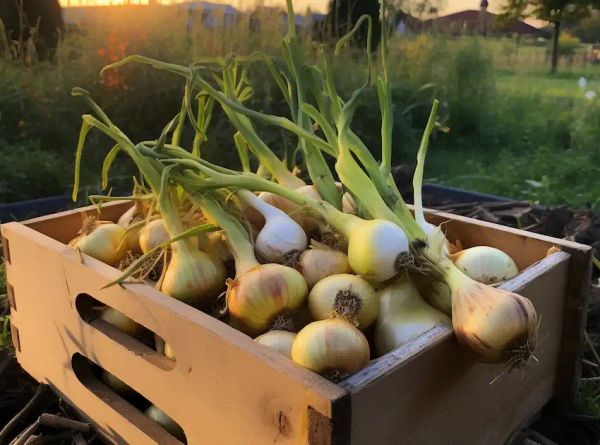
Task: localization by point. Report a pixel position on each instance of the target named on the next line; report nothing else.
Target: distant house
(472, 21)
(210, 12)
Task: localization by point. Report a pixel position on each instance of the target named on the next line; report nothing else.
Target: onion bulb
(317, 263)
(104, 241)
(435, 292)
(295, 211)
(259, 295)
(215, 244)
(166, 422)
(122, 322)
(153, 234)
(280, 341)
(485, 264)
(281, 237)
(193, 276)
(403, 316)
(498, 326)
(333, 348)
(345, 296)
(377, 249)
(168, 352)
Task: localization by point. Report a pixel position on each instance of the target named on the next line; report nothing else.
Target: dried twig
(21, 415)
(79, 440)
(22, 438)
(54, 421)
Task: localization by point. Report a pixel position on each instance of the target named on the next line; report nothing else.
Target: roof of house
(472, 17)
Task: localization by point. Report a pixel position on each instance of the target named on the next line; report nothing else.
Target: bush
(28, 172)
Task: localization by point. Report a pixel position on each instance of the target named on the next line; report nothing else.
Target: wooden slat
(573, 326)
(431, 392)
(224, 388)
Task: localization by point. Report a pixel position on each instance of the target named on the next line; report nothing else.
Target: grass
(5, 337)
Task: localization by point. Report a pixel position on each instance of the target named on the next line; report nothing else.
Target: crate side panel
(525, 248)
(224, 388)
(440, 396)
(64, 226)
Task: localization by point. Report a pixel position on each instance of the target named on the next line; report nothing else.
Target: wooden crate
(225, 389)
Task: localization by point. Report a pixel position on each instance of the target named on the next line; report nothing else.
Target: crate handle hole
(124, 330)
(126, 401)
(6, 249)
(10, 293)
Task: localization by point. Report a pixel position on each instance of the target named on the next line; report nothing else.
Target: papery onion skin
(331, 347)
(166, 422)
(359, 295)
(132, 234)
(105, 242)
(278, 340)
(316, 264)
(403, 316)
(485, 264)
(377, 249)
(496, 325)
(262, 293)
(153, 234)
(194, 277)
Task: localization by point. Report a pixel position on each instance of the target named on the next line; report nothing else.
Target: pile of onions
(238, 242)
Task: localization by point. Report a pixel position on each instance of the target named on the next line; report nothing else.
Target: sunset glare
(447, 6)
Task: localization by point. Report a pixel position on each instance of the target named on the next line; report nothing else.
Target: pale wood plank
(432, 392)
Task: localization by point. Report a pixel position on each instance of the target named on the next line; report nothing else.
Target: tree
(343, 14)
(553, 11)
(20, 17)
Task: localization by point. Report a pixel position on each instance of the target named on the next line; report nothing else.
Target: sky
(301, 5)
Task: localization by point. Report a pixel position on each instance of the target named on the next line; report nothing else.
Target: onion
(168, 352)
(166, 422)
(262, 296)
(346, 296)
(295, 211)
(333, 348)
(498, 326)
(377, 249)
(403, 316)
(152, 235)
(215, 244)
(485, 264)
(122, 322)
(317, 263)
(193, 276)
(435, 292)
(259, 295)
(281, 237)
(280, 341)
(104, 241)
